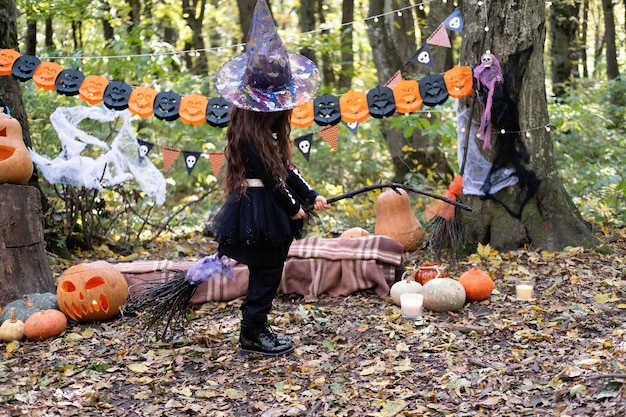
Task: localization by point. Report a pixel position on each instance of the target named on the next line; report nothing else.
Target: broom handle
(395, 186)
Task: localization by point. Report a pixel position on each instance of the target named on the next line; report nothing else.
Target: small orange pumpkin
(430, 270)
(477, 283)
(407, 96)
(303, 116)
(141, 101)
(7, 59)
(92, 291)
(92, 89)
(16, 165)
(45, 75)
(192, 109)
(45, 324)
(354, 232)
(394, 218)
(354, 108)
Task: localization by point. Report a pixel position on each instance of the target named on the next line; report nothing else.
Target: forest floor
(561, 354)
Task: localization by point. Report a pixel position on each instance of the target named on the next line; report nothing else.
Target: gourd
(405, 286)
(16, 165)
(394, 218)
(478, 284)
(430, 270)
(29, 304)
(354, 232)
(45, 324)
(443, 294)
(12, 329)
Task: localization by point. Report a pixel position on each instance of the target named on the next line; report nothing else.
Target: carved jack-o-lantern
(407, 96)
(459, 81)
(141, 101)
(433, 90)
(193, 109)
(381, 102)
(7, 59)
(353, 105)
(166, 105)
(218, 112)
(68, 82)
(303, 116)
(24, 67)
(46, 74)
(92, 89)
(92, 291)
(16, 166)
(327, 111)
(116, 95)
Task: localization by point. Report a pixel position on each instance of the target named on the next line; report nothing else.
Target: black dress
(255, 228)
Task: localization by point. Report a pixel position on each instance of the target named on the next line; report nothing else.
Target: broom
(165, 303)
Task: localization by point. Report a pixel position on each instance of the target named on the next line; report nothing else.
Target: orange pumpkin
(407, 96)
(303, 116)
(354, 108)
(45, 324)
(92, 89)
(92, 291)
(45, 75)
(477, 283)
(354, 232)
(16, 166)
(430, 270)
(192, 109)
(394, 218)
(141, 101)
(7, 59)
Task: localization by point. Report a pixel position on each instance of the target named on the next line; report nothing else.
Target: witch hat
(266, 77)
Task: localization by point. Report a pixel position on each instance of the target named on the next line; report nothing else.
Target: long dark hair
(250, 127)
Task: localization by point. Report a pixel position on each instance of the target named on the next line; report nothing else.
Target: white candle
(411, 305)
(524, 290)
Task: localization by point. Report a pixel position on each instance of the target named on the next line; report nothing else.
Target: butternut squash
(394, 218)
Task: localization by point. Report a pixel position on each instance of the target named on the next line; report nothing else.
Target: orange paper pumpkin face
(303, 116)
(46, 74)
(193, 109)
(7, 58)
(16, 166)
(92, 291)
(407, 96)
(141, 101)
(354, 107)
(92, 89)
(459, 81)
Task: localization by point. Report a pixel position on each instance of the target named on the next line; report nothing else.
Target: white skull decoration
(143, 150)
(424, 57)
(304, 146)
(487, 60)
(191, 161)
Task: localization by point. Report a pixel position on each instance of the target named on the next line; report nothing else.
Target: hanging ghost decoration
(327, 112)
(488, 75)
(381, 102)
(68, 82)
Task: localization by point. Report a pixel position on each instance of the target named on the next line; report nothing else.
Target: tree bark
(612, 69)
(563, 47)
(306, 18)
(549, 220)
(347, 43)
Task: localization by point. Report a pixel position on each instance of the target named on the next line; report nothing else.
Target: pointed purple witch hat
(266, 77)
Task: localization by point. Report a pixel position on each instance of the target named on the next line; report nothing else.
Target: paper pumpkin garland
(7, 58)
(433, 90)
(327, 111)
(166, 105)
(92, 89)
(192, 109)
(218, 112)
(303, 116)
(46, 74)
(353, 105)
(459, 81)
(141, 101)
(24, 67)
(381, 102)
(116, 95)
(407, 96)
(68, 82)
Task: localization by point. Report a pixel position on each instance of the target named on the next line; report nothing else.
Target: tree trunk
(193, 12)
(25, 267)
(564, 51)
(612, 70)
(347, 43)
(549, 220)
(306, 18)
(583, 38)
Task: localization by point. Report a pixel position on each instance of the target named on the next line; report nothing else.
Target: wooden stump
(24, 266)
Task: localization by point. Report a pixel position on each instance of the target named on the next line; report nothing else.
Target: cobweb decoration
(116, 165)
(477, 167)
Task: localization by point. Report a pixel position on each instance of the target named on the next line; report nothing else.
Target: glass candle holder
(524, 288)
(411, 306)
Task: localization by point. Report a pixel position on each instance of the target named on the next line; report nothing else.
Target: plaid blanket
(314, 266)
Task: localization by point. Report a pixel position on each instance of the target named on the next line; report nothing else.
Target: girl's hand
(321, 203)
(299, 215)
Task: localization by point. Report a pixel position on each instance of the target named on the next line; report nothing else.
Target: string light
(526, 132)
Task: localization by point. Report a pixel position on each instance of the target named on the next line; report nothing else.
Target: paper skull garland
(218, 112)
(68, 82)
(303, 116)
(92, 89)
(459, 81)
(46, 74)
(7, 59)
(166, 105)
(192, 109)
(327, 111)
(381, 102)
(116, 95)
(353, 105)
(407, 96)
(433, 90)
(92, 291)
(141, 101)
(24, 67)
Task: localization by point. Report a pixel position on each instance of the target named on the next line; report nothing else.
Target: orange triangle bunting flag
(330, 134)
(394, 80)
(440, 37)
(169, 156)
(217, 160)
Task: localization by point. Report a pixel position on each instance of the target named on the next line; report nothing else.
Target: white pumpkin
(443, 294)
(406, 285)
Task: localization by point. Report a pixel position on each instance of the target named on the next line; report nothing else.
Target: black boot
(263, 340)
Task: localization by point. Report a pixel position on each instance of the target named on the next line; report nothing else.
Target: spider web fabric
(117, 164)
(477, 167)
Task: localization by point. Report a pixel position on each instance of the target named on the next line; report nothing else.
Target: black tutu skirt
(254, 229)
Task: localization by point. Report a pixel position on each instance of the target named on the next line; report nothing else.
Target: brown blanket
(314, 266)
